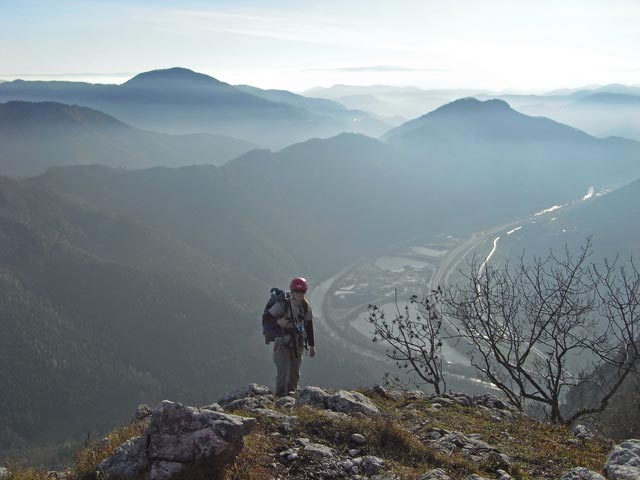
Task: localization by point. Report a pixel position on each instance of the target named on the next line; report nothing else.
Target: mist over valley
(143, 224)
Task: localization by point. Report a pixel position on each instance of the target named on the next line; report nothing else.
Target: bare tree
(529, 327)
(415, 342)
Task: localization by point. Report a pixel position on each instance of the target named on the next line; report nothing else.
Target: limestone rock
(215, 407)
(581, 473)
(273, 415)
(351, 402)
(436, 474)
(582, 432)
(358, 439)
(502, 475)
(249, 398)
(128, 461)
(316, 449)
(179, 441)
(371, 465)
(472, 448)
(249, 403)
(289, 455)
(251, 390)
(313, 396)
(335, 415)
(342, 401)
(623, 463)
(383, 392)
(143, 411)
(486, 400)
(286, 402)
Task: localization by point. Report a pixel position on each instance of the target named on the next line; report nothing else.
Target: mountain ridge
(179, 101)
(497, 122)
(38, 135)
(173, 75)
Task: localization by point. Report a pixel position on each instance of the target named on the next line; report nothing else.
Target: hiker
(293, 330)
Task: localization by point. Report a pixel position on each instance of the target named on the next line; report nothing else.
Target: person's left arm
(308, 325)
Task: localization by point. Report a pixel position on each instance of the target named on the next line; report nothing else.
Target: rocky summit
(372, 433)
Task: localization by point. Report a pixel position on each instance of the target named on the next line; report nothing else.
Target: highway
(447, 265)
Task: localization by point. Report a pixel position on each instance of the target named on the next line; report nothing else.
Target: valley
(415, 267)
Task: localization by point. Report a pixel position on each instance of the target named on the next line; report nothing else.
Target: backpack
(268, 330)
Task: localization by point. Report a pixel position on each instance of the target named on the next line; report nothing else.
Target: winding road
(447, 265)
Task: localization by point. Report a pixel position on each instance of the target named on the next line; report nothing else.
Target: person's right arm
(274, 316)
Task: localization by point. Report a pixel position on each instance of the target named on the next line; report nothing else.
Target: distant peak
(473, 105)
(172, 76)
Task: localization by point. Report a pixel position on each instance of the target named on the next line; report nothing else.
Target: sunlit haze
(522, 46)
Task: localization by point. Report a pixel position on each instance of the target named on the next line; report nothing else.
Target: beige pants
(288, 360)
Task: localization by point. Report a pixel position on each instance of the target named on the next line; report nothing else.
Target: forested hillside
(125, 285)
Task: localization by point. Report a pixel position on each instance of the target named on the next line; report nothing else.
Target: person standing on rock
(293, 320)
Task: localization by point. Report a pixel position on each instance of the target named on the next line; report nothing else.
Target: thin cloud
(379, 68)
(311, 29)
(70, 75)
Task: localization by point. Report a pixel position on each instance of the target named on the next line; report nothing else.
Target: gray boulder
(251, 397)
(313, 396)
(473, 448)
(581, 473)
(485, 400)
(214, 407)
(623, 462)
(335, 415)
(143, 411)
(128, 461)
(502, 475)
(251, 390)
(342, 401)
(436, 474)
(285, 422)
(358, 439)
(286, 402)
(371, 465)
(582, 432)
(352, 402)
(180, 441)
(249, 403)
(3, 472)
(273, 415)
(317, 449)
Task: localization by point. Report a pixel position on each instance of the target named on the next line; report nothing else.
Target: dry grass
(404, 453)
(254, 462)
(18, 472)
(537, 450)
(88, 459)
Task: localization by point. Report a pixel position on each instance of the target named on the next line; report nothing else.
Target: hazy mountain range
(491, 158)
(609, 110)
(399, 103)
(36, 136)
(122, 285)
(178, 100)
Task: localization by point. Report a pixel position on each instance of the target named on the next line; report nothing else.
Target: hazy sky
(511, 44)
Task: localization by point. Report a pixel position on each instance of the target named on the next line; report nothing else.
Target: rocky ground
(369, 434)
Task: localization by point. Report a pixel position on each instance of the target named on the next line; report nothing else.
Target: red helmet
(299, 283)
